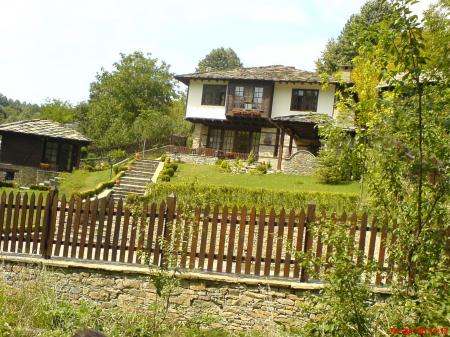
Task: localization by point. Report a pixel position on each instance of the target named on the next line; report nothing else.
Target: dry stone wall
(301, 162)
(237, 306)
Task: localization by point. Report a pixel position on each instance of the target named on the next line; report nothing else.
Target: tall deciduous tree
(342, 50)
(137, 83)
(59, 111)
(219, 59)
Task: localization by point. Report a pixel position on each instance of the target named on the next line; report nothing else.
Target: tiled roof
(277, 73)
(42, 127)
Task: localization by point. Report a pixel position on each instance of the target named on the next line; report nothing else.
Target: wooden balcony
(249, 99)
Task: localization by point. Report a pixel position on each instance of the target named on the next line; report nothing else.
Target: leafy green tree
(407, 167)
(342, 50)
(219, 59)
(59, 111)
(137, 83)
(15, 110)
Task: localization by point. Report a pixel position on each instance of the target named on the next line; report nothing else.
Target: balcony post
(280, 149)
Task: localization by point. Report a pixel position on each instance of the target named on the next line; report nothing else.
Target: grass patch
(80, 181)
(214, 175)
(8, 190)
(30, 309)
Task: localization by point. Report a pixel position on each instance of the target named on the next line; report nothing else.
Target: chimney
(345, 72)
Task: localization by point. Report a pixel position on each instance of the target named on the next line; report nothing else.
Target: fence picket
(109, 223)
(124, 238)
(212, 240)
(159, 232)
(289, 244)
(29, 222)
(203, 238)
(92, 227)
(62, 217)
(23, 217)
(310, 217)
(251, 237)
(115, 242)
(269, 249)
(131, 246)
(8, 222)
(37, 224)
(260, 240)
(362, 238)
(15, 224)
(141, 231)
(223, 231)
(101, 223)
(279, 246)
(319, 245)
(241, 236)
(381, 254)
(68, 226)
(194, 239)
(84, 228)
(150, 232)
(299, 241)
(2, 215)
(231, 239)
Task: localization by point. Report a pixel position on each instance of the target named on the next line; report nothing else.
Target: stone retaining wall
(237, 303)
(301, 162)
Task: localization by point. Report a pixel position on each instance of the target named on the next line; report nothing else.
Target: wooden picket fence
(237, 241)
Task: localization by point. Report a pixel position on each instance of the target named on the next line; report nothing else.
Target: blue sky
(54, 48)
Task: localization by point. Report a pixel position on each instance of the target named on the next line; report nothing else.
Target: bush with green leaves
(257, 197)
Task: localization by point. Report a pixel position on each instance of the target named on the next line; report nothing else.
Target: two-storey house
(271, 111)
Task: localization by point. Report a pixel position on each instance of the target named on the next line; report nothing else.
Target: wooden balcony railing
(207, 152)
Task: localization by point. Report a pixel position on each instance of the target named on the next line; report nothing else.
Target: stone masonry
(236, 303)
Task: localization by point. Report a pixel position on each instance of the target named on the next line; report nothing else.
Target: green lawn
(81, 181)
(213, 174)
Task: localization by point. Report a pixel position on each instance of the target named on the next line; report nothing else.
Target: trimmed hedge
(39, 187)
(11, 184)
(100, 187)
(250, 197)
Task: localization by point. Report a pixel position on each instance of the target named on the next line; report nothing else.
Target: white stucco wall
(282, 99)
(195, 109)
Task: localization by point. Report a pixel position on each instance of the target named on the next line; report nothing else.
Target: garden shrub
(251, 157)
(225, 165)
(262, 169)
(163, 157)
(39, 187)
(219, 162)
(11, 184)
(257, 197)
(169, 171)
(117, 155)
(165, 177)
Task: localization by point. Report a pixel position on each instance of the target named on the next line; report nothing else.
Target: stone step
(128, 189)
(139, 175)
(135, 179)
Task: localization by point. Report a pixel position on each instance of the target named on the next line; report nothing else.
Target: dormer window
(214, 94)
(304, 100)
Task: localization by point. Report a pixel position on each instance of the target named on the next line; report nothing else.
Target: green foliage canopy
(138, 83)
(219, 59)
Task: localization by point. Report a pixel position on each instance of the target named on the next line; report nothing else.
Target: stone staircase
(135, 179)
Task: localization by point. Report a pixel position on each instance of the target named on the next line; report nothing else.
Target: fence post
(310, 218)
(48, 229)
(169, 218)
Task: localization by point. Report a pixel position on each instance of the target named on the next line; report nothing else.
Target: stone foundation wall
(191, 159)
(237, 306)
(301, 162)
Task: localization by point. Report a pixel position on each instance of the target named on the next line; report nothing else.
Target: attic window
(304, 100)
(214, 94)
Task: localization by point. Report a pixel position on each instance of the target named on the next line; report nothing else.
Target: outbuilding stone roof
(276, 73)
(42, 127)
